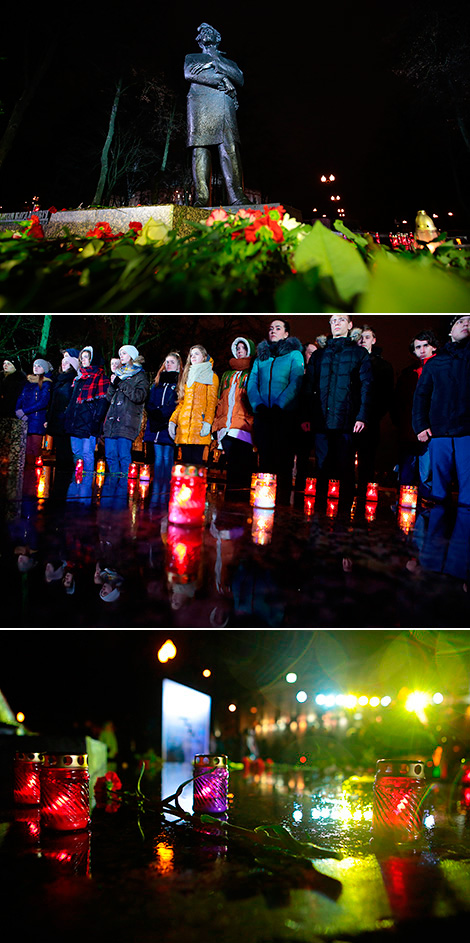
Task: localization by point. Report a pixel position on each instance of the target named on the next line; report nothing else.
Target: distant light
(314, 210)
(207, 673)
(232, 708)
(404, 220)
(320, 699)
(340, 699)
(291, 678)
(297, 815)
(20, 717)
(438, 697)
(166, 652)
(253, 710)
(303, 759)
(330, 700)
(429, 821)
(450, 214)
(351, 701)
(435, 216)
(332, 177)
(363, 700)
(323, 178)
(301, 696)
(416, 701)
(386, 701)
(374, 701)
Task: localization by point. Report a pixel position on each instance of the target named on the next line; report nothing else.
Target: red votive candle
(145, 473)
(133, 471)
(210, 783)
(372, 491)
(399, 789)
(309, 504)
(310, 486)
(79, 470)
(370, 511)
(26, 783)
(65, 782)
(187, 494)
(333, 488)
(406, 518)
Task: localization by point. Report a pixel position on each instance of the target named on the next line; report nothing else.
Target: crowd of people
(287, 408)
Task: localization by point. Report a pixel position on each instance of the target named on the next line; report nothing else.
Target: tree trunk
(168, 136)
(46, 327)
(107, 144)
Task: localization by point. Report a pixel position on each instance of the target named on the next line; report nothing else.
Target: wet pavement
(306, 564)
(149, 876)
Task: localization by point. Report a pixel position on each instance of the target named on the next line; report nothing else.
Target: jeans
(85, 449)
(450, 456)
(118, 455)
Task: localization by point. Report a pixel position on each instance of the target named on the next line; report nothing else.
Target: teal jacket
(277, 374)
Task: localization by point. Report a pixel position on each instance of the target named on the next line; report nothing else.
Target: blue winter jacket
(160, 405)
(277, 374)
(34, 401)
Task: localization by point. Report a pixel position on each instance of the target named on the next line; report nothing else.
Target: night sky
(320, 96)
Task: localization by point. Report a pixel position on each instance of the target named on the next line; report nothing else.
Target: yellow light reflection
(164, 856)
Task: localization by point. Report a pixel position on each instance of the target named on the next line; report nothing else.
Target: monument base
(79, 222)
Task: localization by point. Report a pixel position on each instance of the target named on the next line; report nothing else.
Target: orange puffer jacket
(197, 406)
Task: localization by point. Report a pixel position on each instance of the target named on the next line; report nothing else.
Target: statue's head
(207, 35)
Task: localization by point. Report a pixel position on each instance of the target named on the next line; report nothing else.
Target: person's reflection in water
(81, 490)
(445, 544)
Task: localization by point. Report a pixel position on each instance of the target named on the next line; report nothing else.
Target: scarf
(93, 384)
(200, 373)
(129, 370)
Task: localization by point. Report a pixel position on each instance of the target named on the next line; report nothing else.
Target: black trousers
(274, 436)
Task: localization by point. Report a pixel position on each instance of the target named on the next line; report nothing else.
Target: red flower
(106, 788)
(52, 209)
(35, 230)
(102, 230)
(136, 226)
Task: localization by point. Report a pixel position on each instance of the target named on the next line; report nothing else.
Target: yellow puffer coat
(197, 406)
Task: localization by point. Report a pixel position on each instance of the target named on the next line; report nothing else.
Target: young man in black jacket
(441, 413)
(338, 383)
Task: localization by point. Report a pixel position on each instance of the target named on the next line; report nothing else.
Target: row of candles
(59, 784)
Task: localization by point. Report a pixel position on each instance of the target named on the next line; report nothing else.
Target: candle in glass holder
(310, 486)
(210, 783)
(187, 494)
(26, 771)
(408, 496)
(133, 470)
(398, 792)
(101, 467)
(333, 488)
(65, 781)
(370, 511)
(145, 473)
(372, 491)
(79, 470)
(262, 526)
(265, 491)
(252, 487)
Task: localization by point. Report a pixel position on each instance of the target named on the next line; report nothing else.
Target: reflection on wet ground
(141, 876)
(100, 552)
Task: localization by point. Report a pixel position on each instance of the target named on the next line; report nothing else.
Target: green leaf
(400, 286)
(355, 237)
(342, 271)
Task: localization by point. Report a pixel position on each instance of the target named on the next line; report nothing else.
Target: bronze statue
(212, 120)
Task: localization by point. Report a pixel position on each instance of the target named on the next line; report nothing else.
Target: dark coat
(382, 387)
(124, 416)
(60, 398)
(338, 384)
(442, 398)
(11, 385)
(276, 375)
(83, 420)
(34, 400)
(160, 405)
(402, 402)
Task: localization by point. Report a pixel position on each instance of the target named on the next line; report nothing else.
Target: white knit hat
(131, 350)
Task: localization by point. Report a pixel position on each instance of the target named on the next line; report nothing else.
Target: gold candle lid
(414, 769)
(66, 760)
(29, 757)
(210, 759)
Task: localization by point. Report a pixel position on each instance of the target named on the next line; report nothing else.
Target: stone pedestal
(13, 434)
(79, 222)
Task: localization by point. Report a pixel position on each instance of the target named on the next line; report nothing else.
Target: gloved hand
(21, 414)
(172, 429)
(205, 430)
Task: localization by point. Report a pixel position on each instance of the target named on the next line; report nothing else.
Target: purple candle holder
(210, 783)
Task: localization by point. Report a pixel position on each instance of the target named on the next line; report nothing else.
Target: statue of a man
(212, 119)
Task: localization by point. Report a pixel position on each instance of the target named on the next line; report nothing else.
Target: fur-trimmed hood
(268, 349)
